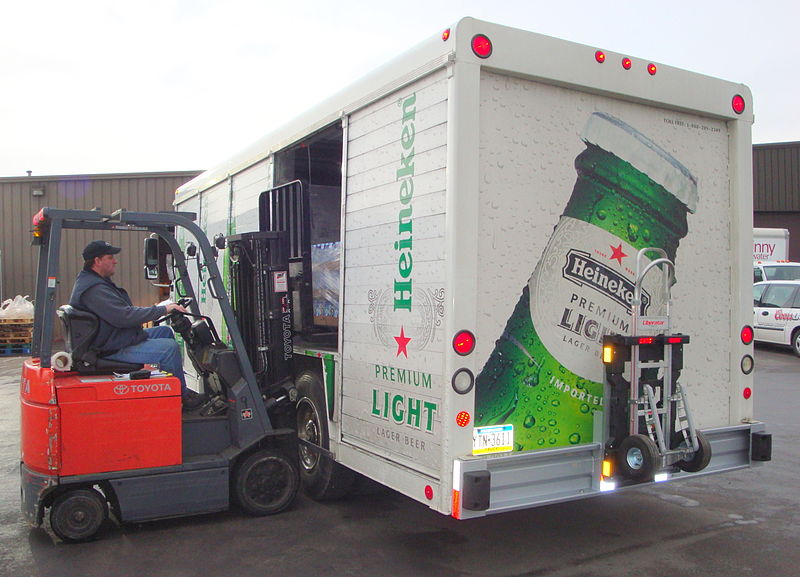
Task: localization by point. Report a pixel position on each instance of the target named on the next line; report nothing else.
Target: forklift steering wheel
(174, 314)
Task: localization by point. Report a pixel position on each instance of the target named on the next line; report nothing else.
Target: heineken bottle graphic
(545, 374)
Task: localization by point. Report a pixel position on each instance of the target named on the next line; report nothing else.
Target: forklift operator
(120, 336)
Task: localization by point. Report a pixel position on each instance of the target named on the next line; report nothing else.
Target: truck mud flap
(761, 447)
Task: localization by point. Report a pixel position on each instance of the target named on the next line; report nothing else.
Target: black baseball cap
(98, 248)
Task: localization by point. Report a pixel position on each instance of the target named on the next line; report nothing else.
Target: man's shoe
(192, 400)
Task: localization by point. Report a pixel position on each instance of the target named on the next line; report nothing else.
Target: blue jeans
(160, 349)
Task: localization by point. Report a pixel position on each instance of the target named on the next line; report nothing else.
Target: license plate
(494, 439)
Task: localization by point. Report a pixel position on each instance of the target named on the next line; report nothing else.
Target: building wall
(776, 190)
(20, 201)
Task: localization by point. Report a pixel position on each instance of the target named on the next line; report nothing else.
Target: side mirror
(151, 258)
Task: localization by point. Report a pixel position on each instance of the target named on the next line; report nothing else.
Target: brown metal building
(776, 190)
(22, 197)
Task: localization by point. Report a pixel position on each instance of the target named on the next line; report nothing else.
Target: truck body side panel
(394, 283)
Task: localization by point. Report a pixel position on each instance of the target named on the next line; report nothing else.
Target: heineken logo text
(405, 175)
(583, 270)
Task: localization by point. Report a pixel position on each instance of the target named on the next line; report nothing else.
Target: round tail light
(464, 343)
(481, 46)
(738, 104)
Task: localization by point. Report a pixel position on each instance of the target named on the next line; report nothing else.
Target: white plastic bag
(18, 308)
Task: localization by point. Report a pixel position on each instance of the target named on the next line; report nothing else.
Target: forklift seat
(80, 328)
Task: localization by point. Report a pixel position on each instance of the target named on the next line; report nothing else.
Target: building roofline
(791, 144)
(102, 176)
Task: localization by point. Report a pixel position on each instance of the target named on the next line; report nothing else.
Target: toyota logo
(121, 389)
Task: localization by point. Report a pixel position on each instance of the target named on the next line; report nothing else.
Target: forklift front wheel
(266, 483)
(77, 514)
(638, 457)
(701, 457)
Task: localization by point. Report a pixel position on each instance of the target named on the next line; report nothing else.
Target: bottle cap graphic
(615, 136)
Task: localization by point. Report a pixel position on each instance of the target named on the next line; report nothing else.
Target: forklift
(99, 436)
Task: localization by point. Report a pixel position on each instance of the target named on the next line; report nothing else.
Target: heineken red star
(545, 375)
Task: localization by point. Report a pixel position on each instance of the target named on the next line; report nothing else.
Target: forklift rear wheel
(701, 457)
(266, 483)
(323, 478)
(77, 514)
(638, 457)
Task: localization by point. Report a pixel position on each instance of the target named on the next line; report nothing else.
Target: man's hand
(175, 307)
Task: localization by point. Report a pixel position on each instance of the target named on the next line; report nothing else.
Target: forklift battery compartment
(79, 424)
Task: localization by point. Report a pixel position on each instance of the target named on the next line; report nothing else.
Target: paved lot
(746, 523)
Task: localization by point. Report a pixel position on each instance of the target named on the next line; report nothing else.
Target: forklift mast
(262, 302)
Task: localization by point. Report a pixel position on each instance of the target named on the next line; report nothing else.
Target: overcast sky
(97, 86)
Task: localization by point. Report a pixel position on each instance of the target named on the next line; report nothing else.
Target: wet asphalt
(737, 524)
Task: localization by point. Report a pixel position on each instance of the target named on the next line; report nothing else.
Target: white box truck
(770, 244)
(464, 230)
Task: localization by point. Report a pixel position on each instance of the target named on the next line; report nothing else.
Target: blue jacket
(120, 321)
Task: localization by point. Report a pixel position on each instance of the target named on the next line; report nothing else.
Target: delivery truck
(770, 244)
(485, 269)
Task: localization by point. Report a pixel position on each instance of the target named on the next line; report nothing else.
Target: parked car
(776, 270)
(776, 313)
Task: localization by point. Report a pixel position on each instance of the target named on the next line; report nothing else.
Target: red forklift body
(77, 425)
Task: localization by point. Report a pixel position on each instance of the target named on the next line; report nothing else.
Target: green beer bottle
(545, 374)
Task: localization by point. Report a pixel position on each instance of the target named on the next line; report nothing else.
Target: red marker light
(600, 56)
(651, 68)
(738, 104)
(464, 343)
(747, 335)
(428, 492)
(462, 419)
(646, 340)
(446, 35)
(747, 393)
(626, 63)
(481, 46)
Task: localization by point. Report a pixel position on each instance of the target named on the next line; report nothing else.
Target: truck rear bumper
(483, 486)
